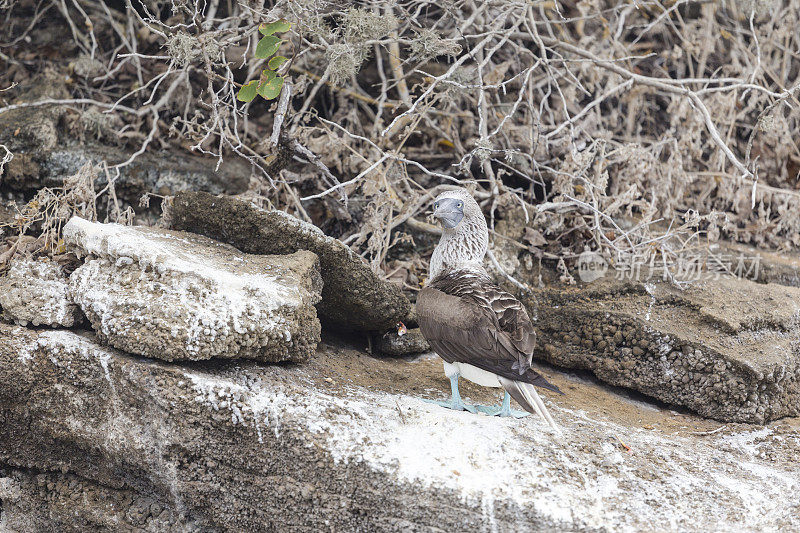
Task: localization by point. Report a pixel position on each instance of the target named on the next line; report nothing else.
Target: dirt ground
(338, 365)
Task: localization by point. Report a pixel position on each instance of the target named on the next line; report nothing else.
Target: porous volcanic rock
(392, 343)
(179, 296)
(35, 291)
(353, 296)
(728, 349)
(95, 440)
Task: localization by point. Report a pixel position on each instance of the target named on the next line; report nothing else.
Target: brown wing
(513, 321)
(467, 319)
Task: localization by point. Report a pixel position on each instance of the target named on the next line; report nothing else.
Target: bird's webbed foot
(455, 402)
(504, 410)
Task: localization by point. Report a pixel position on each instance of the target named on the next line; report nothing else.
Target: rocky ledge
(354, 298)
(176, 296)
(130, 426)
(728, 349)
(97, 440)
(35, 291)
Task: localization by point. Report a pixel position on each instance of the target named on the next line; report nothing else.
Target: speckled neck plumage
(463, 247)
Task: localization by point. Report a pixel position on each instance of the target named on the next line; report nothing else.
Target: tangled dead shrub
(621, 126)
(40, 222)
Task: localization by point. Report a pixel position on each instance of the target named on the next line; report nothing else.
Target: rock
(177, 296)
(391, 343)
(35, 291)
(45, 154)
(95, 440)
(772, 267)
(353, 296)
(7, 214)
(33, 127)
(728, 349)
(52, 501)
(162, 173)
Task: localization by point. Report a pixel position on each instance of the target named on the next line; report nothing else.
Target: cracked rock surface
(96, 440)
(35, 291)
(179, 296)
(728, 349)
(354, 298)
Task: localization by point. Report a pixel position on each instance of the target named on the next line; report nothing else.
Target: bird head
(465, 237)
(451, 207)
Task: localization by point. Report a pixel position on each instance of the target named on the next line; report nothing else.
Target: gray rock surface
(45, 154)
(162, 174)
(394, 344)
(353, 297)
(45, 502)
(773, 267)
(32, 127)
(6, 218)
(179, 296)
(35, 291)
(95, 440)
(728, 349)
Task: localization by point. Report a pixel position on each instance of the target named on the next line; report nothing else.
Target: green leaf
(272, 88)
(248, 91)
(267, 46)
(275, 27)
(276, 62)
(266, 76)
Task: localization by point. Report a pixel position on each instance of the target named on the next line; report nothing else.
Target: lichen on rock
(97, 440)
(35, 291)
(728, 349)
(178, 296)
(354, 298)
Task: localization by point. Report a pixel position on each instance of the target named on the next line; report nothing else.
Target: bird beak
(448, 213)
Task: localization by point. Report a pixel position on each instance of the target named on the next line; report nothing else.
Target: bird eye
(436, 205)
(460, 204)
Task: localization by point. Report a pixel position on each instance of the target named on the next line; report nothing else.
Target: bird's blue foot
(455, 402)
(503, 410)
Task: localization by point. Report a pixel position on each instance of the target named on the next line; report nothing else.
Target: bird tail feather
(525, 394)
(540, 381)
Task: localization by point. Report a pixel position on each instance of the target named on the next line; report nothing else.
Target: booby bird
(481, 332)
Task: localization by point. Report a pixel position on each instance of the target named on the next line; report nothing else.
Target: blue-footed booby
(481, 332)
